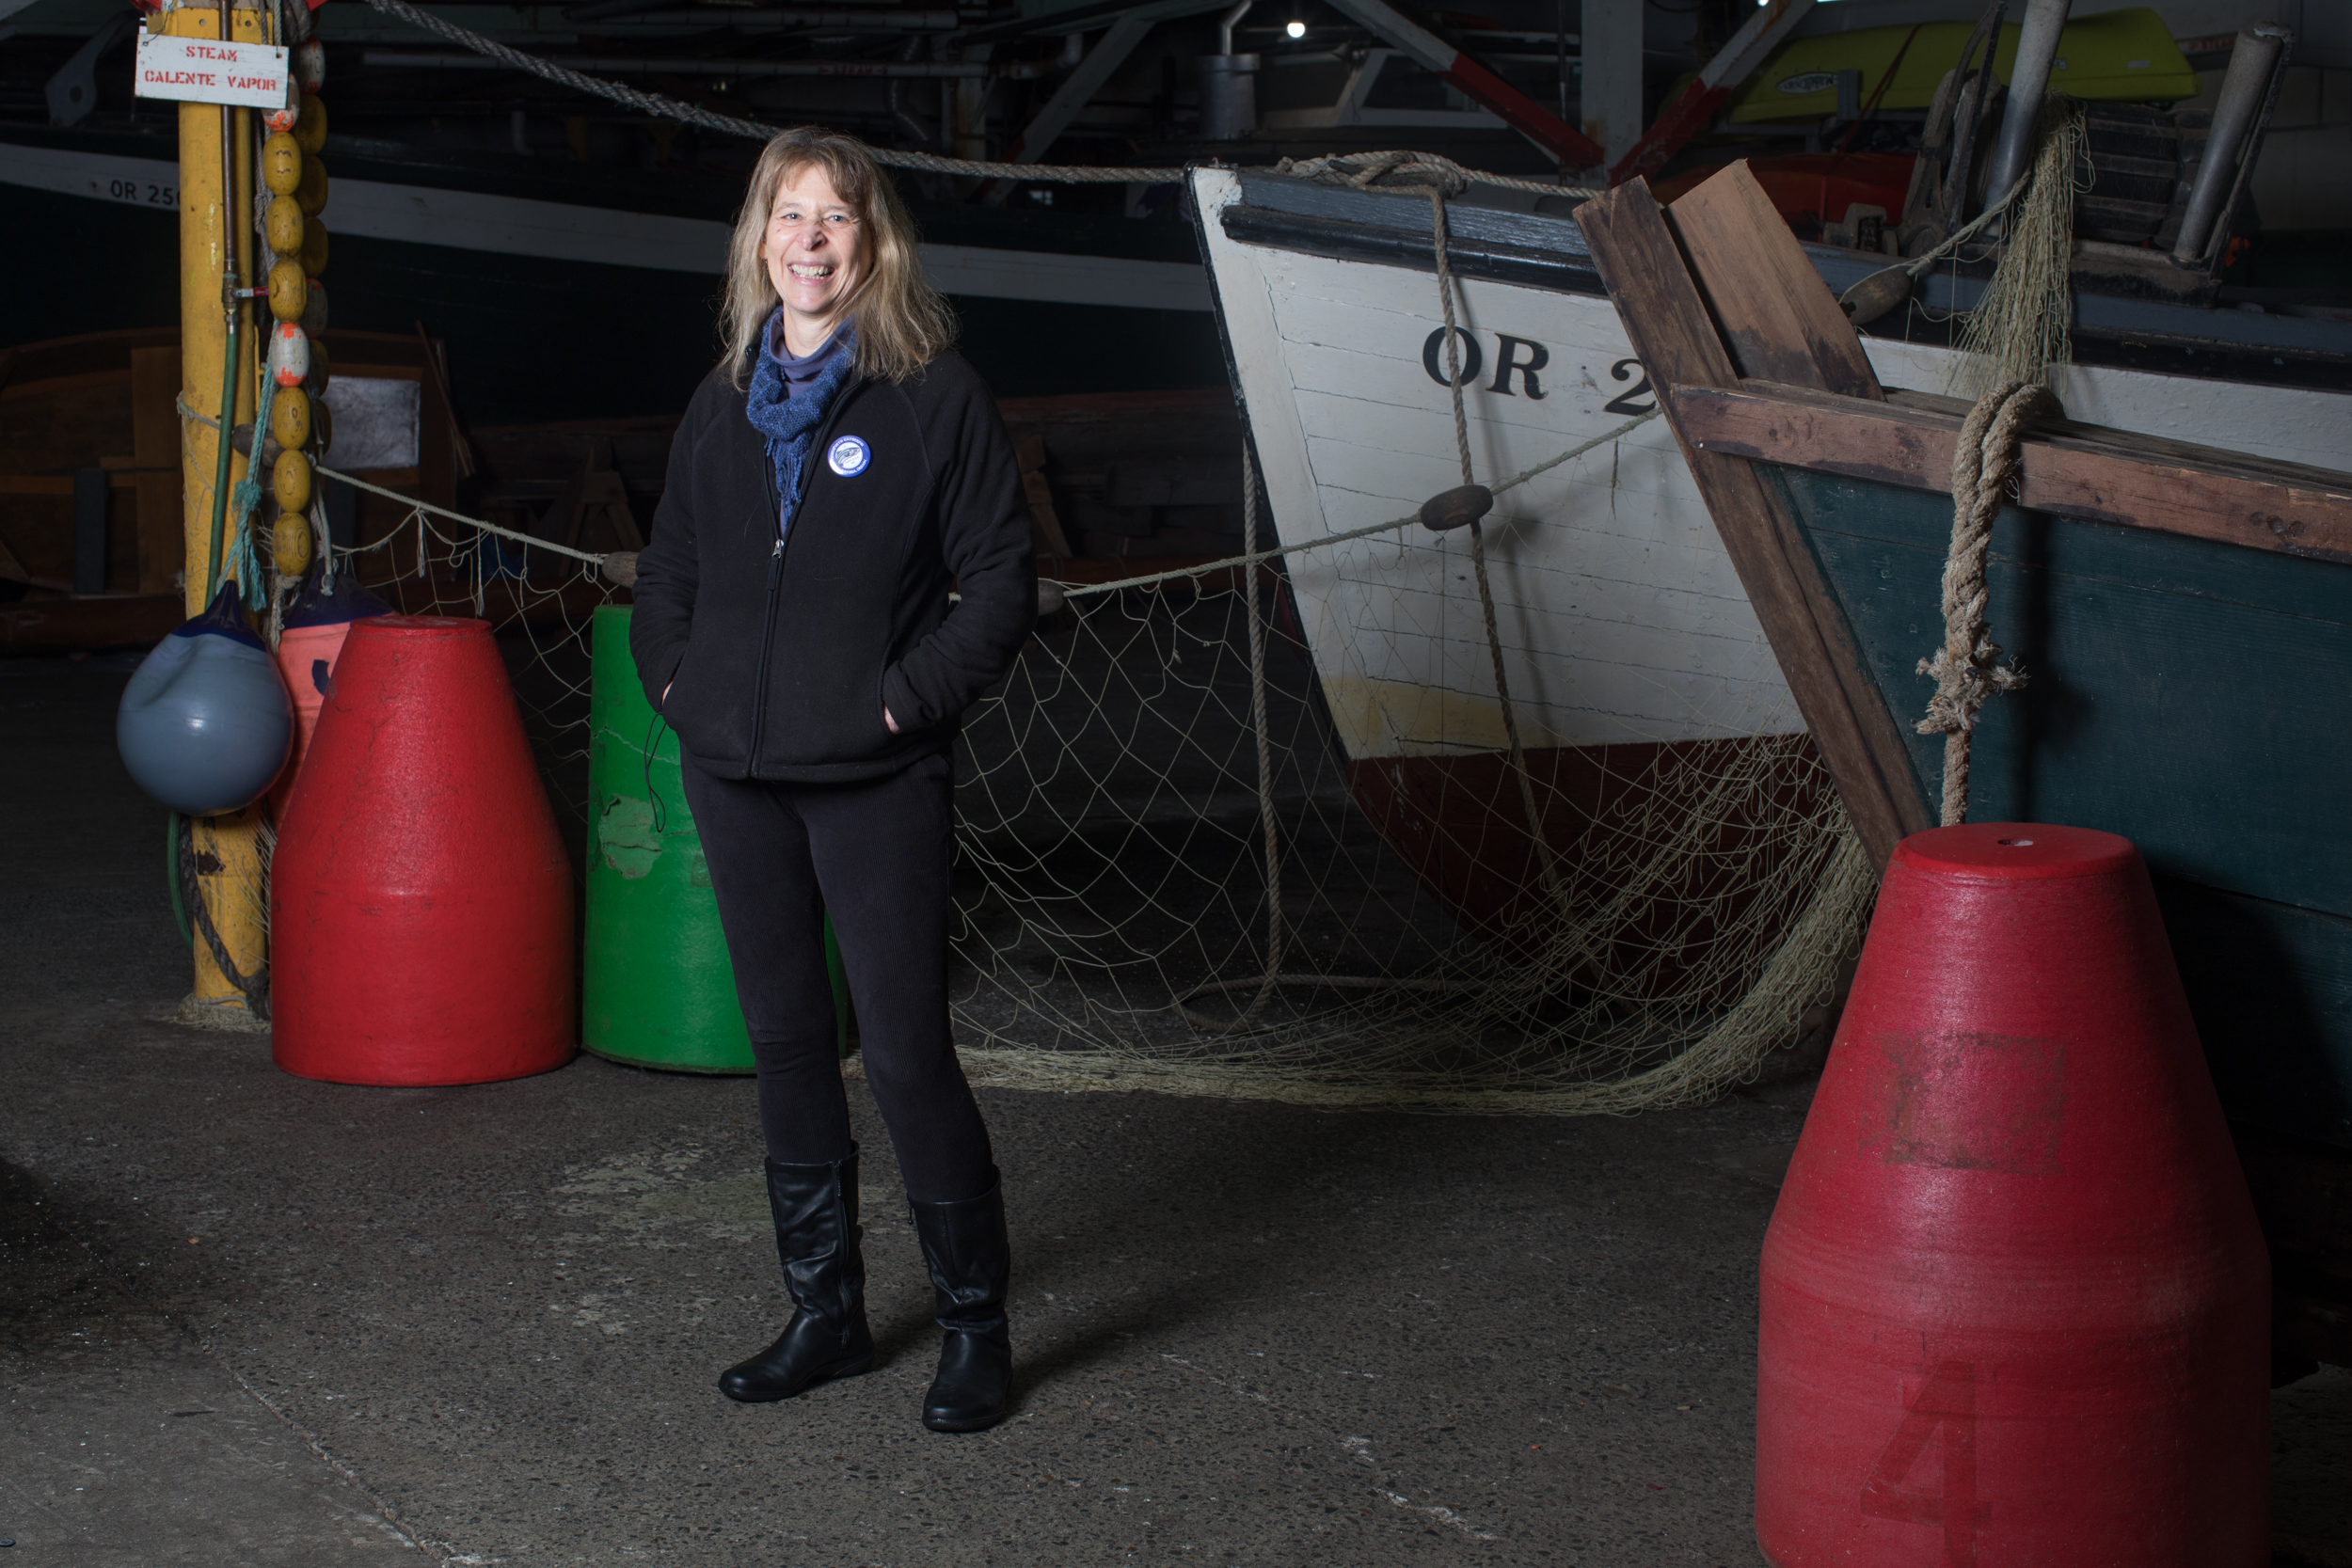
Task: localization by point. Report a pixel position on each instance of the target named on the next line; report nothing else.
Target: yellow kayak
(2126, 54)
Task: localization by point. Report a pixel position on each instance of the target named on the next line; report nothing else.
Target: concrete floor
(250, 1320)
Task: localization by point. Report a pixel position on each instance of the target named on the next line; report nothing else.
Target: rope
(1273, 980)
(1251, 558)
(1069, 590)
(1370, 167)
(1266, 778)
(927, 163)
(1967, 669)
(1961, 237)
(254, 988)
(1412, 171)
(1547, 863)
(416, 505)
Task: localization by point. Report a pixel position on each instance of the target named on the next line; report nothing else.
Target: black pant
(874, 856)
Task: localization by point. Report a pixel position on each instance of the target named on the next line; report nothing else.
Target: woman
(834, 476)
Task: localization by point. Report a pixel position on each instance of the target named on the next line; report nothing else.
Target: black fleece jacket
(778, 656)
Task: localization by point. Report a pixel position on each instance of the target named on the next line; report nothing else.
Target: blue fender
(205, 723)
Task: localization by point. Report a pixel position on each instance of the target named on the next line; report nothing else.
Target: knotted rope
(1967, 669)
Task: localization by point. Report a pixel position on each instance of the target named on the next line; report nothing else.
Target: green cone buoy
(658, 990)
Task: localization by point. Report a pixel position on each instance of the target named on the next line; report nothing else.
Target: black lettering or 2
(1519, 357)
(1432, 357)
(1506, 360)
(1630, 401)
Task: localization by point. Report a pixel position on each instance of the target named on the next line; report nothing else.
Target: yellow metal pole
(216, 232)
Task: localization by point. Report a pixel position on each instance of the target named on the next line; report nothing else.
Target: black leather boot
(817, 1237)
(965, 1247)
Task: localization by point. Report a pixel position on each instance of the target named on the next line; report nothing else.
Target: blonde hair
(902, 321)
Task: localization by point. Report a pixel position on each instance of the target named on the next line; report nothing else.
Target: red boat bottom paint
(2014, 1307)
(421, 901)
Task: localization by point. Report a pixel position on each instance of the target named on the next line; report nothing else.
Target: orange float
(313, 640)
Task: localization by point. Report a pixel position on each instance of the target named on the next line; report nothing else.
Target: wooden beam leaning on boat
(1755, 362)
(1781, 324)
(2072, 470)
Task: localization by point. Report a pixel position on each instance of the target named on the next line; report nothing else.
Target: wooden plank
(1667, 323)
(59, 626)
(2146, 446)
(13, 570)
(163, 540)
(89, 531)
(1769, 304)
(155, 414)
(437, 443)
(2070, 471)
(1030, 453)
(23, 386)
(436, 366)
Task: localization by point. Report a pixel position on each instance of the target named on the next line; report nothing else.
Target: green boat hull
(2187, 694)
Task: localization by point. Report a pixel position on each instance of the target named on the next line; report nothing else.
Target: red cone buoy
(421, 901)
(2015, 1309)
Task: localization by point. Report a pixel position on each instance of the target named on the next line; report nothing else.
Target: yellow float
(289, 417)
(312, 189)
(309, 131)
(290, 482)
(281, 164)
(282, 226)
(289, 543)
(289, 291)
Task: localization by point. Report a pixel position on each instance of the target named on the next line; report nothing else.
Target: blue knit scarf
(788, 421)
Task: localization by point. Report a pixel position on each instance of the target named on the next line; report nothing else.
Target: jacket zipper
(775, 567)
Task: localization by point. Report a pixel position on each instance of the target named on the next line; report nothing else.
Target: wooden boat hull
(1626, 630)
(2184, 693)
(2184, 616)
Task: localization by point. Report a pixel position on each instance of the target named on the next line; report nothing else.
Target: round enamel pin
(849, 456)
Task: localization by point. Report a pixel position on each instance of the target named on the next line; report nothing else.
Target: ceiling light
(1296, 28)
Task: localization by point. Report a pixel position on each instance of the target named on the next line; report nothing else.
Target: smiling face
(812, 253)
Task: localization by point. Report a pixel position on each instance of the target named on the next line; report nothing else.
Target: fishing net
(1125, 924)
(1170, 876)
(2024, 323)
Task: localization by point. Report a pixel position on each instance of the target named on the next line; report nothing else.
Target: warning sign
(206, 71)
